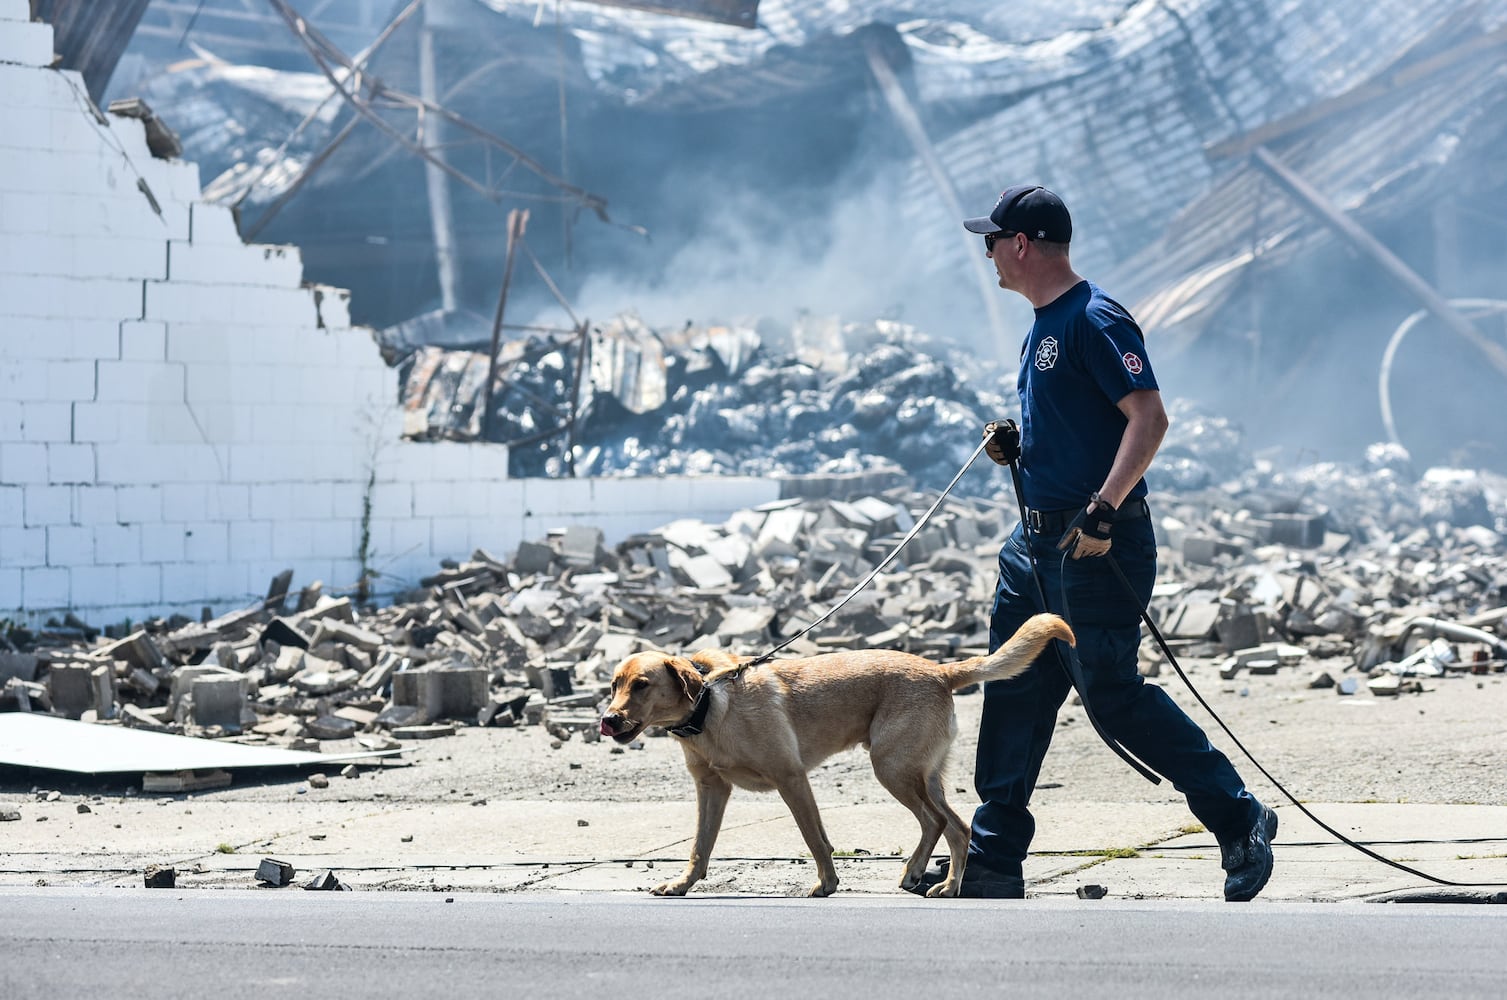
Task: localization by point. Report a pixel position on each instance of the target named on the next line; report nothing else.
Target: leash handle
(879, 568)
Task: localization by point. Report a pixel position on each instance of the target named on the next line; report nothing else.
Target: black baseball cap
(1029, 209)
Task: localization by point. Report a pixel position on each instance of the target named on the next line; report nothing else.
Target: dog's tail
(1015, 656)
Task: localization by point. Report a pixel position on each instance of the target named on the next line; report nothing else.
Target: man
(1091, 422)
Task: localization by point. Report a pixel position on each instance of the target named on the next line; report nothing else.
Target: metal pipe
(1459, 633)
(441, 222)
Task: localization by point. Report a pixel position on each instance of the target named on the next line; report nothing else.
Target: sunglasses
(990, 238)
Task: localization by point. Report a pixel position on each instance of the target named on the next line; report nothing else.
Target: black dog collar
(694, 723)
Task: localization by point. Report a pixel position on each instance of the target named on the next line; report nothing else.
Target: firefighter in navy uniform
(1091, 422)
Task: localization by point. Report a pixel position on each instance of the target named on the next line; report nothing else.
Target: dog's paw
(677, 888)
(821, 889)
(948, 889)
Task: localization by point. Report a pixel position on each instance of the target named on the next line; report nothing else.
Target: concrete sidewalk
(1136, 850)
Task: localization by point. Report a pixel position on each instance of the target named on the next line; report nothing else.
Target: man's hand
(1004, 441)
(1088, 533)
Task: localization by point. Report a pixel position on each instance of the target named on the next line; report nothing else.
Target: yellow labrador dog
(766, 727)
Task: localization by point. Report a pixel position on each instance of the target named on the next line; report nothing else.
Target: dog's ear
(685, 675)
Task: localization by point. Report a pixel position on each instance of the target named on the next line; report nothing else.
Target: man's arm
(1145, 427)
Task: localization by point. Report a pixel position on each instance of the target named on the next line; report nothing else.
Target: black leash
(877, 569)
(695, 724)
(1167, 652)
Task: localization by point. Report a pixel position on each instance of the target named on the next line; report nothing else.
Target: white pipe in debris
(1472, 307)
(1459, 633)
(440, 219)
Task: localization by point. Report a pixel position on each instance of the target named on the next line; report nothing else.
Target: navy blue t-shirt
(1083, 355)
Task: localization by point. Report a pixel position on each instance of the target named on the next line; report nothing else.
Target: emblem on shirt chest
(1046, 354)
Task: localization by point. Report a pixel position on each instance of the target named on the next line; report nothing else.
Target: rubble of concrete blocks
(1339, 562)
(532, 639)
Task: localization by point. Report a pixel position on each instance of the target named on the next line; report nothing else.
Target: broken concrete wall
(182, 417)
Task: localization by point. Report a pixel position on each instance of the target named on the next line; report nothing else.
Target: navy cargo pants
(1020, 714)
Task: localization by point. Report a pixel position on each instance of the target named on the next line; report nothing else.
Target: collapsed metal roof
(1393, 149)
(1120, 105)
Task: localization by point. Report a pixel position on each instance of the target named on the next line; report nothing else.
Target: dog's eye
(640, 684)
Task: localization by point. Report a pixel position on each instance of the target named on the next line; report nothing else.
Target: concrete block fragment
(330, 727)
(427, 732)
(581, 546)
(137, 649)
(19, 665)
(533, 557)
(781, 533)
(160, 877)
(140, 718)
(173, 782)
(326, 882)
(396, 715)
(71, 687)
(102, 680)
(274, 873)
(1243, 629)
(740, 624)
(1306, 531)
(217, 700)
(704, 572)
(360, 716)
(330, 629)
(442, 691)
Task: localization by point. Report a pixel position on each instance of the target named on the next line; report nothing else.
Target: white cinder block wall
(181, 417)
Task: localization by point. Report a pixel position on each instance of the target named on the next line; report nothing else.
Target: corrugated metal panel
(1122, 139)
(1372, 165)
(739, 13)
(90, 36)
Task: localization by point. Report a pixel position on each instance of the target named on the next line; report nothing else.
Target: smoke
(750, 258)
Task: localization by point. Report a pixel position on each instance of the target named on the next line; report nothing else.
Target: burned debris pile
(761, 399)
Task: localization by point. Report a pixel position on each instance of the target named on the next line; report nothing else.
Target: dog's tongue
(606, 730)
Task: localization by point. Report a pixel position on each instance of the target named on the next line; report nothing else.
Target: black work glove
(1004, 441)
(1088, 533)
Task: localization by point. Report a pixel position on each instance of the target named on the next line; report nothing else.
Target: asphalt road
(168, 943)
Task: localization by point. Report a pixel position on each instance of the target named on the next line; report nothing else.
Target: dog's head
(650, 689)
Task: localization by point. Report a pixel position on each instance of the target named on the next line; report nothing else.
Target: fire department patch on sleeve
(1132, 362)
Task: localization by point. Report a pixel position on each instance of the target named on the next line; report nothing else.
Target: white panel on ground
(54, 744)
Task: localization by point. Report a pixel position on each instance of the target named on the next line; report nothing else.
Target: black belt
(1054, 522)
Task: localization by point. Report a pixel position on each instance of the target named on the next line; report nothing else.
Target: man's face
(1004, 249)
